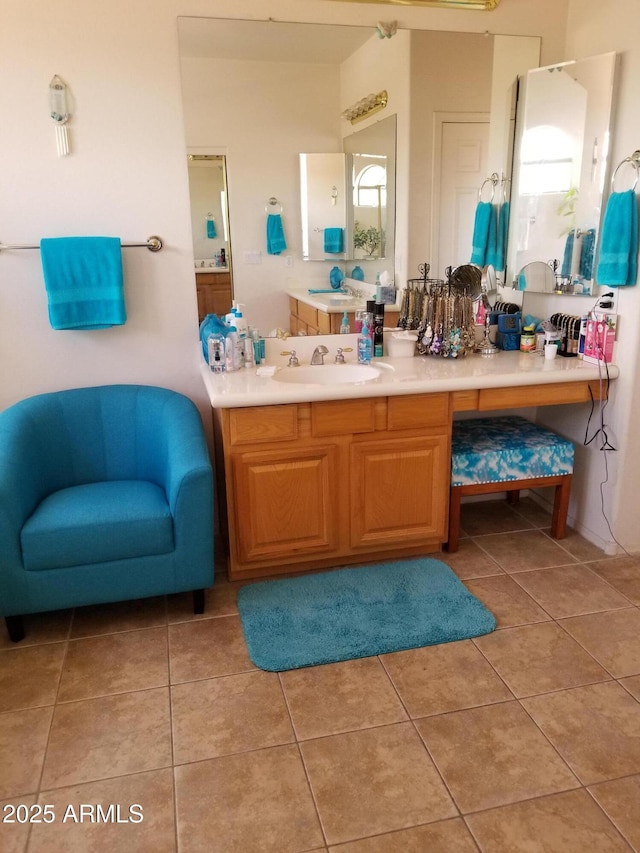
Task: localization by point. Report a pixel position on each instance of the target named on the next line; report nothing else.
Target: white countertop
(419, 375)
(335, 302)
(211, 269)
(325, 301)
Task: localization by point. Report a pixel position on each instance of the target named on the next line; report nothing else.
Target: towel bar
(153, 243)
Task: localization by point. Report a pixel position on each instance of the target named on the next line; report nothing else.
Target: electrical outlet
(288, 260)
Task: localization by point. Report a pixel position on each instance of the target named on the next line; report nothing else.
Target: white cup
(550, 351)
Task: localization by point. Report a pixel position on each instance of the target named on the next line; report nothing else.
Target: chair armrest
(23, 478)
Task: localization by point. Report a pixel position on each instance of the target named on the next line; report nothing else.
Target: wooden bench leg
(513, 496)
(454, 520)
(561, 508)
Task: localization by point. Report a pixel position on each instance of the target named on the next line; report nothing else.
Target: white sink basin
(328, 374)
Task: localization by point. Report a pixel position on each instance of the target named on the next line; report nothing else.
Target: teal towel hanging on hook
(211, 227)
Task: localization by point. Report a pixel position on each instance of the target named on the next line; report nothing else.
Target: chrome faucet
(319, 354)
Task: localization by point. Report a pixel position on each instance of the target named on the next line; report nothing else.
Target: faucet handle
(293, 358)
(340, 354)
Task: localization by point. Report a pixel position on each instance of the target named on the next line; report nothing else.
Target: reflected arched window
(370, 187)
(546, 160)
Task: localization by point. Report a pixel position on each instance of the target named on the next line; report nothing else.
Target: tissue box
(389, 295)
(600, 337)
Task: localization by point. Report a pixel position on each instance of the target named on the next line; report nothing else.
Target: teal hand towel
(484, 235)
(211, 228)
(276, 242)
(618, 261)
(84, 282)
(333, 241)
(565, 271)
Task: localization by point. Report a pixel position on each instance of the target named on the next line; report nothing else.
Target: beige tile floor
(527, 739)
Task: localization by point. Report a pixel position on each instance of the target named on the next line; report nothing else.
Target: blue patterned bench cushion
(494, 450)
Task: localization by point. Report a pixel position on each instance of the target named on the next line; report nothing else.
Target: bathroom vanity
(321, 314)
(317, 475)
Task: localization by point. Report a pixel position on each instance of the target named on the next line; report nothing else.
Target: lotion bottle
(345, 329)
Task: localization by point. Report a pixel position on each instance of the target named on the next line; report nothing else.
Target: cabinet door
(285, 503)
(399, 490)
(214, 294)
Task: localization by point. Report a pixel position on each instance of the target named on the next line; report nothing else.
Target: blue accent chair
(106, 494)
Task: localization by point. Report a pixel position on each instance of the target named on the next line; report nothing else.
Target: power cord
(605, 444)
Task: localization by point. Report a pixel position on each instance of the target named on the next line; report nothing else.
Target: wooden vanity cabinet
(214, 293)
(306, 320)
(311, 485)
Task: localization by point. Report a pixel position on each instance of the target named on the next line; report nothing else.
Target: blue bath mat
(358, 612)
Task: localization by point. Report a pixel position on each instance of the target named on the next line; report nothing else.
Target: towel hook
(272, 204)
(493, 180)
(635, 162)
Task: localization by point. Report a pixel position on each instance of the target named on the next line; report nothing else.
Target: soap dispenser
(345, 329)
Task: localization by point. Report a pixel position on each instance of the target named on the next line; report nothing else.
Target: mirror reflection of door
(463, 168)
(210, 232)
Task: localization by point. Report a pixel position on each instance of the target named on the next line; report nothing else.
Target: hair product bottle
(364, 345)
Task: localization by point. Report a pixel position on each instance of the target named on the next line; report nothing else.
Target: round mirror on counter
(537, 277)
(466, 280)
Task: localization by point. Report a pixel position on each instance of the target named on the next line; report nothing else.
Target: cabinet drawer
(263, 423)
(464, 401)
(554, 394)
(418, 410)
(342, 417)
(308, 314)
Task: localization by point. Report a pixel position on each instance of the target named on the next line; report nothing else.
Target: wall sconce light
(59, 112)
(366, 107)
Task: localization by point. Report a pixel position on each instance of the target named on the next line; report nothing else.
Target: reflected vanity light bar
(366, 107)
(485, 5)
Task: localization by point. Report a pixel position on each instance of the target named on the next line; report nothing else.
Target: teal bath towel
(276, 242)
(586, 256)
(333, 241)
(84, 282)
(484, 235)
(618, 261)
(498, 259)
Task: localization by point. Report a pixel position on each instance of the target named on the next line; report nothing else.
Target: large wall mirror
(560, 169)
(263, 92)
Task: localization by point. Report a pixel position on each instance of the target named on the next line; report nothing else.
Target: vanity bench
(314, 476)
